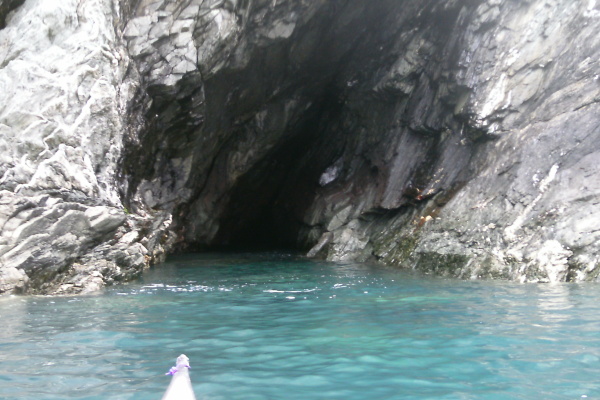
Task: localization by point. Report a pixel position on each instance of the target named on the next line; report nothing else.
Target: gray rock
(459, 138)
(63, 96)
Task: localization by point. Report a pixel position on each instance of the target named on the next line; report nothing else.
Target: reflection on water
(275, 326)
(11, 318)
(555, 304)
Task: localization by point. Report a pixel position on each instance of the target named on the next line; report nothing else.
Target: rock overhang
(275, 110)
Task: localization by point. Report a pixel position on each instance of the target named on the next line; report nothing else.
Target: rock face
(63, 96)
(457, 137)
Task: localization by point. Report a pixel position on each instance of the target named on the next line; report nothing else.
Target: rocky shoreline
(461, 138)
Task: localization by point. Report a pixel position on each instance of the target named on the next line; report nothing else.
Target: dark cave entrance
(324, 61)
(336, 62)
(267, 206)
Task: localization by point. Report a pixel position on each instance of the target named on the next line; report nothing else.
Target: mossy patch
(395, 249)
(441, 264)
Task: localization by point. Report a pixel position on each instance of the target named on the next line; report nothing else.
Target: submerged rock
(457, 137)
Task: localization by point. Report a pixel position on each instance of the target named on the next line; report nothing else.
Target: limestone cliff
(458, 137)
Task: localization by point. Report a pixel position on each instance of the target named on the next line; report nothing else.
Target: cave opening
(238, 153)
(266, 207)
(280, 115)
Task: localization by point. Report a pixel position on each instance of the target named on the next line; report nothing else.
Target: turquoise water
(277, 327)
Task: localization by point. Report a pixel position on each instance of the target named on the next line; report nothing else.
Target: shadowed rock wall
(455, 137)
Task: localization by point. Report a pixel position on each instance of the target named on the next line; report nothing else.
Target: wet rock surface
(63, 106)
(459, 137)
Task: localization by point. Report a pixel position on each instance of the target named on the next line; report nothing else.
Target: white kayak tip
(180, 387)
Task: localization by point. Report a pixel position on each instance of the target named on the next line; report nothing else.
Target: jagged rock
(63, 96)
(455, 137)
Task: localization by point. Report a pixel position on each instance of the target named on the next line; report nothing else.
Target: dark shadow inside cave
(267, 205)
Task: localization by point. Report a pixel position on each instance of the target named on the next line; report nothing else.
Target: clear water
(278, 327)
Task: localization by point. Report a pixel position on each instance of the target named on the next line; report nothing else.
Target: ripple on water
(258, 327)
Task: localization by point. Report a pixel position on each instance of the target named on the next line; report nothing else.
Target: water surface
(274, 326)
